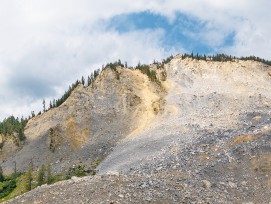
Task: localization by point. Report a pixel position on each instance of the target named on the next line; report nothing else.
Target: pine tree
(92, 77)
(119, 62)
(83, 81)
(89, 80)
(49, 178)
(43, 102)
(21, 135)
(41, 175)
(96, 73)
(29, 179)
(1, 175)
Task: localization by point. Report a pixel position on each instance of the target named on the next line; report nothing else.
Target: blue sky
(181, 32)
(46, 45)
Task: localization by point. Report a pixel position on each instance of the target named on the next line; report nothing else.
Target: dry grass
(242, 138)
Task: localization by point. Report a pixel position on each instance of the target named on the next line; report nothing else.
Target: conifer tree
(89, 80)
(1, 175)
(83, 81)
(29, 179)
(43, 102)
(49, 178)
(41, 175)
(21, 134)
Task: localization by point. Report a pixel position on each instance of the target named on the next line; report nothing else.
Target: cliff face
(90, 122)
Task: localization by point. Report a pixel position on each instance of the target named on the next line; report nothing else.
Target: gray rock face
(211, 143)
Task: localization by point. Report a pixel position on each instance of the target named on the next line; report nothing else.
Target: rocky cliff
(210, 144)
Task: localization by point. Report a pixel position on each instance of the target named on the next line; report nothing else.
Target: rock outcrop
(90, 122)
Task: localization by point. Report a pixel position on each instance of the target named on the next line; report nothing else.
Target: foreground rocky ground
(194, 174)
(210, 144)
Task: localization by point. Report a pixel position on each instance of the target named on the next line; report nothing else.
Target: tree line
(223, 58)
(57, 102)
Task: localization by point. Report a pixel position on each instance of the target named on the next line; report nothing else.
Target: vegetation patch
(114, 66)
(145, 69)
(19, 183)
(223, 58)
(13, 128)
(7, 185)
(77, 171)
(13, 125)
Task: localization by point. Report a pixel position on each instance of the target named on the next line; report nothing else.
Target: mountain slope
(202, 96)
(90, 122)
(210, 144)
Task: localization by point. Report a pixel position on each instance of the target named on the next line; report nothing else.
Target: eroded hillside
(210, 144)
(90, 122)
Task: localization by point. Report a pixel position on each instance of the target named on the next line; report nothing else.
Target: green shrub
(7, 187)
(76, 171)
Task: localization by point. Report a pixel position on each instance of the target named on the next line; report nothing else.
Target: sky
(46, 45)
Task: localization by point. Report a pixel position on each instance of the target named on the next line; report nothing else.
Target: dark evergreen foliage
(8, 184)
(83, 81)
(113, 66)
(66, 95)
(43, 103)
(90, 80)
(96, 73)
(256, 59)
(165, 61)
(145, 69)
(1, 175)
(76, 171)
(41, 175)
(223, 58)
(49, 178)
(29, 179)
(13, 125)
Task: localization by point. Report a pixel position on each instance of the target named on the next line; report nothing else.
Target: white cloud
(249, 20)
(46, 45)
